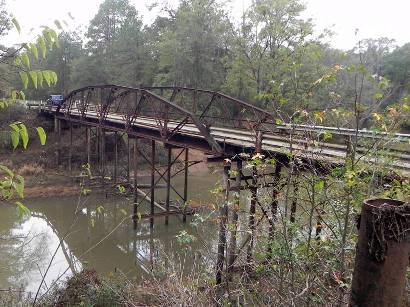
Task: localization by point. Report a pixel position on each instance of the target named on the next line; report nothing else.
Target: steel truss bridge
(216, 124)
(212, 122)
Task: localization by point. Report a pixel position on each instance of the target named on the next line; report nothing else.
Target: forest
(270, 58)
(284, 227)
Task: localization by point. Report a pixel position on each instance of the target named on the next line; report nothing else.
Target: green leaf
(15, 139)
(58, 24)
(14, 95)
(22, 210)
(379, 96)
(54, 36)
(92, 223)
(139, 216)
(40, 78)
(17, 61)
(25, 46)
(25, 59)
(24, 78)
(14, 127)
(33, 75)
(7, 171)
(34, 50)
(22, 95)
(16, 24)
(49, 39)
(100, 209)
(123, 211)
(47, 77)
(54, 77)
(86, 191)
(42, 45)
(319, 185)
(42, 135)
(24, 135)
(19, 187)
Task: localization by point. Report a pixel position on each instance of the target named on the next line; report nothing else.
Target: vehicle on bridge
(55, 100)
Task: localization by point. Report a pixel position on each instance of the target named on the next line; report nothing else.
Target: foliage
(193, 46)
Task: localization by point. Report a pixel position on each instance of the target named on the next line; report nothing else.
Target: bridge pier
(186, 165)
(135, 190)
(168, 183)
(274, 205)
(251, 223)
(237, 195)
(88, 145)
(57, 129)
(294, 200)
(115, 156)
(128, 159)
(70, 149)
(152, 182)
(223, 217)
(102, 153)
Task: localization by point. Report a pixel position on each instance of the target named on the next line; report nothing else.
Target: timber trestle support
(115, 159)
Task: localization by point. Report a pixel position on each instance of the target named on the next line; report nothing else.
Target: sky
(373, 18)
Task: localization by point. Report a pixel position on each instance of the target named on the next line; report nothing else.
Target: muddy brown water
(105, 241)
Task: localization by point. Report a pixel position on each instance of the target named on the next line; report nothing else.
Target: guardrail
(344, 131)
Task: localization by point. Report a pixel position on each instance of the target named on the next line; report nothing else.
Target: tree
(104, 28)
(5, 19)
(269, 50)
(396, 67)
(108, 54)
(192, 49)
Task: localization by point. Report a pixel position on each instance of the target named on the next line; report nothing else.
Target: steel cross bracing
(212, 122)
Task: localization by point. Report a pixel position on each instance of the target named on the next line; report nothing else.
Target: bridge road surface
(237, 138)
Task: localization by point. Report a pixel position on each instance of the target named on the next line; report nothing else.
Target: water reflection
(102, 239)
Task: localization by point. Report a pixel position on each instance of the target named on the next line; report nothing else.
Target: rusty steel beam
(382, 255)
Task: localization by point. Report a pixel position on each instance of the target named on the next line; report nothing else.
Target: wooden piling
(251, 224)
(135, 189)
(168, 184)
(152, 182)
(274, 207)
(102, 153)
(294, 201)
(70, 149)
(115, 156)
(223, 217)
(88, 140)
(128, 159)
(57, 127)
(236, 200)
(186, 165)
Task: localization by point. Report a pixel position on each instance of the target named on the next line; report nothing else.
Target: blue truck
(55, 100)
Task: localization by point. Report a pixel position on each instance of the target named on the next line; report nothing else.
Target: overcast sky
(373, 18)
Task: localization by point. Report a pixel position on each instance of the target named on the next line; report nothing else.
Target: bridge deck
(232, 140)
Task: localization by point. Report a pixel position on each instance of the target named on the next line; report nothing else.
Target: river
(80, 236)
